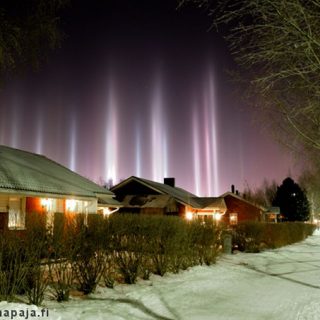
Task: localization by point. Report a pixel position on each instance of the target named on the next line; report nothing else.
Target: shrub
(88, 257)
(13, 266)
(36, 247)
(249, 236)
(60, 270)
(163, 244)
(127, 245)
(205, 241)
(252, 236)
(61, 276)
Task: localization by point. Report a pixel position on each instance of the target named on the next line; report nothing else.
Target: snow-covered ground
(276, 284)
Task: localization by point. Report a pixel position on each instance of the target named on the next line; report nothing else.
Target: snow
(275, 284)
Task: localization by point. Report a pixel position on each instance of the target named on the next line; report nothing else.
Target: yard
(275, 284)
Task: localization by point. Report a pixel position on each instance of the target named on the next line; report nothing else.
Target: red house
(149, 197)
(239, 209)
(144, 196)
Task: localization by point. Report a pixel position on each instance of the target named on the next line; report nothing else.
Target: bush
(164, 244)
(60, 270)
(120, 246)
(37, 254)
(205, 241)
(127, 245)
(14, 266)
(253, 236)
(248, 236)
(88, 257)
(158, 244)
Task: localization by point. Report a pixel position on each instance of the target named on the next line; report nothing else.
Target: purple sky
(141, 89)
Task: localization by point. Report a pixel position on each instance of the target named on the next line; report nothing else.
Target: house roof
(210, 202)
(273, 210)
(30, 173)
(147, 201)
(244, 200)
(179, 194)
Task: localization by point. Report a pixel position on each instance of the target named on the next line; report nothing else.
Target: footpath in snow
(276, 284)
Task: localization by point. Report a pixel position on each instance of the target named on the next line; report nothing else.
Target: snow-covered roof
(179, 194)
(30, 173)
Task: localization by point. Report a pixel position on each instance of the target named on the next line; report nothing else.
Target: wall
(245, 210)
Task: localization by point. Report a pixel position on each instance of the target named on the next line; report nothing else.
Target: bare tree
(309, 181)
(28, 29)
(277, 47)
(264, 195)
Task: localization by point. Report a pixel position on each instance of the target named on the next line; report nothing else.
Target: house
(31, 184)
(149, 197)
(240, 209)
(272, 214)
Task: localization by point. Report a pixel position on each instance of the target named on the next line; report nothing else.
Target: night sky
(140, 88)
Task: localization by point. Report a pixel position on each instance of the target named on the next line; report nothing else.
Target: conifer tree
(292, 200)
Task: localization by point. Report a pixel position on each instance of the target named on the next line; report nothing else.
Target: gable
(133, 188)
(246, 210)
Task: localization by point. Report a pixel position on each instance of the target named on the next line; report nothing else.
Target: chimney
(232, 188)
(169, 182)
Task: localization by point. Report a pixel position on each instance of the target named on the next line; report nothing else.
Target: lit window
(233, 218)
(71, 205)
(17, 214)
(50, 207)
(217, 216)
(189, 215)
(47, 204)
(77, 206)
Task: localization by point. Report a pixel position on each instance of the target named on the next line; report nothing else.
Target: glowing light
(39, 131)
(196, 153)
(107, 212)
(213, 126)
(127, 132)
(210, 137)
(189, 215)
(138, 152)
(73, 144)
(71, 204)
(111, 137)
(217, 216)
(233, 218)
(15, 128)
(158, 135)
(46, 203)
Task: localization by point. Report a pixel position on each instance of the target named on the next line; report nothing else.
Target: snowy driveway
(278, 284)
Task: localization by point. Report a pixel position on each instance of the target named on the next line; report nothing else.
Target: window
(77, 206)
(50, 207)
(233, 218)
(17, 214)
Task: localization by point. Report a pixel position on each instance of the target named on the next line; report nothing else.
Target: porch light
(189, 215)
(71, 204)
(217, 216)
(107, 212)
